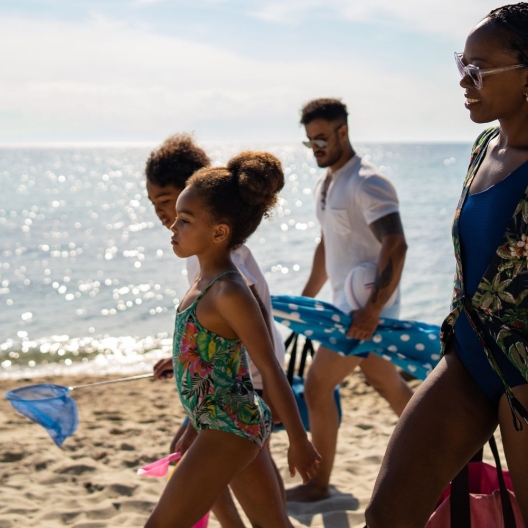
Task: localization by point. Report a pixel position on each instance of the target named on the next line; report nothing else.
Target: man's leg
(327, 370)
(384, 377)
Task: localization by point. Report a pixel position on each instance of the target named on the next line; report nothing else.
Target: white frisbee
(359, 284)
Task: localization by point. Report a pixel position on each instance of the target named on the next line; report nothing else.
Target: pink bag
(475, 498)
(485, 510)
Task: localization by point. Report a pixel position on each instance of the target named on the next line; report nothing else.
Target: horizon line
(154, 143)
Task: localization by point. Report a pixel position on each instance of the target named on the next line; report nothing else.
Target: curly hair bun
(259, 176)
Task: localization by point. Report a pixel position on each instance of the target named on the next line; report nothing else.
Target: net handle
(119, 380)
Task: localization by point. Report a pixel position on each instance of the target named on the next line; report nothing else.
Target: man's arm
(318, 274)
(389, 231)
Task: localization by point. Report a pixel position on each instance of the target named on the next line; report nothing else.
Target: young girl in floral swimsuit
(216, 323)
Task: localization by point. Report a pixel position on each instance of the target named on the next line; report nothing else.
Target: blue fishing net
(48, 405)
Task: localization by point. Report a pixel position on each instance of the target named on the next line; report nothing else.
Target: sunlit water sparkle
(88, 279)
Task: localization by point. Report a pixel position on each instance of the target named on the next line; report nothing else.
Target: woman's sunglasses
(475, 73)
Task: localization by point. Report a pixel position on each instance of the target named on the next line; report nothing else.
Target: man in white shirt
(358, 211)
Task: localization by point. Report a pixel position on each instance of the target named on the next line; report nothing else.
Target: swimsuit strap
(213, 281)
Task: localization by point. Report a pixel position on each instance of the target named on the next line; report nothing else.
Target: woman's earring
(526, 96)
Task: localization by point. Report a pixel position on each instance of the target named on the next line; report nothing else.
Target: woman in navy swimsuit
(481, 381)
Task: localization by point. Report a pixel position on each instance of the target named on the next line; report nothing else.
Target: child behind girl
(216, 323)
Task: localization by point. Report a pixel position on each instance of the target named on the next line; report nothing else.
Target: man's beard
(330, 159)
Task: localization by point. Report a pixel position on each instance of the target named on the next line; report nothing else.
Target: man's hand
(364, 323)
(163, 369)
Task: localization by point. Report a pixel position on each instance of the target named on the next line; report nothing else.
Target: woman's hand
(304, 458)
(163, 369)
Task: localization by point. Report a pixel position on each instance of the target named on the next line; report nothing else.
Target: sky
(231, 70)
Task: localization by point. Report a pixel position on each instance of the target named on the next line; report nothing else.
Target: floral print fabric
(213, 380)
(498, 310)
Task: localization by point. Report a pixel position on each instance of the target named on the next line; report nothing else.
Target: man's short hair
(324, 108)
(175, 161)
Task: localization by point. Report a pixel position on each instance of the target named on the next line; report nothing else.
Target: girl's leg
(209, 465)
(515, 448)
(226, 512)
(258, 491)
(224, 508)
(446, 422)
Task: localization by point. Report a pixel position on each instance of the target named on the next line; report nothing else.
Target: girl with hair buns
(482, 380)
(216, 323)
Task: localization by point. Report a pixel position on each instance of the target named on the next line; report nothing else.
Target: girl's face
(502, 93)
(194, 232)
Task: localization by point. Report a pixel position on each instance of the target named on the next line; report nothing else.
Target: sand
(91, 481)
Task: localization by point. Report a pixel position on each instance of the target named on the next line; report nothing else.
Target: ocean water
(88, 279)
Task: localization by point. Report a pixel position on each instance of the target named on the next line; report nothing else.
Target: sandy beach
(91, 481)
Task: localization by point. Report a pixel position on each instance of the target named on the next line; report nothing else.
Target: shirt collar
(347, 167)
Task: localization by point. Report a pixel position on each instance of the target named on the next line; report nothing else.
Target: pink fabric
(203, 522)
(484, 500)
(482, 479)
(486, 512)
(158, 468)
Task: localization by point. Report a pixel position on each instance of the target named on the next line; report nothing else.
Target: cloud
(110, 81)
(442, 17)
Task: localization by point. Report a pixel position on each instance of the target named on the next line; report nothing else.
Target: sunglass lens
(475, 77)
(307, 144)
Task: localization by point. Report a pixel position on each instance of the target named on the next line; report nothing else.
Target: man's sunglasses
(475, 73)
(319, 143)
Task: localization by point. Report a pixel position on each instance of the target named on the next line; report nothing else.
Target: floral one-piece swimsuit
(213, 379)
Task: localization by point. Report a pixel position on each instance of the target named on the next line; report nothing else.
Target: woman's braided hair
(512, 20)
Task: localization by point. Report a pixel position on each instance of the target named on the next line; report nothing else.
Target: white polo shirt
(244, 260)
(357, 196)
